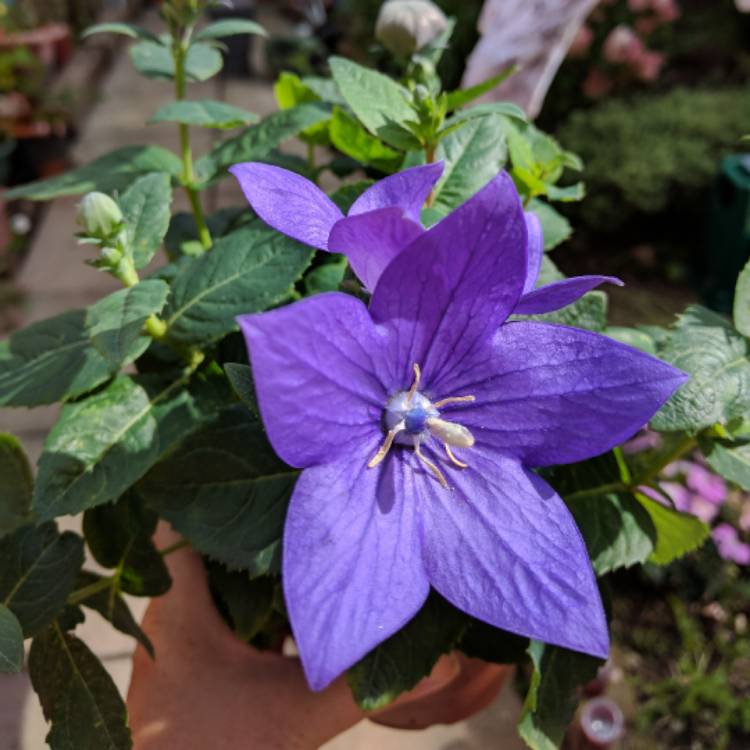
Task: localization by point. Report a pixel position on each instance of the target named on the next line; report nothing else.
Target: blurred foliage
(29, 14)
(652, 153)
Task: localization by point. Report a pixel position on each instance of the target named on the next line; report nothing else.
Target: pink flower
(581, 43)
(711, 487)
(648, 65)
(729, 545)
(622, 45)
(597, 84)
(666, 10)
(639, 6)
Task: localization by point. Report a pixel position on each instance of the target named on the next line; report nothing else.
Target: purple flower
(383, 221)
(730, 546)
(416, 422)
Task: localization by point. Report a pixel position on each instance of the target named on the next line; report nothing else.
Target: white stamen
(450, 433)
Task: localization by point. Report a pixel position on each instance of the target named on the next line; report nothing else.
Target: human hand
(208, 689)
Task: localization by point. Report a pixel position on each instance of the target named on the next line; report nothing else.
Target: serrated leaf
(503, 109)
(241, 380)
(677, 533)
(459, 98)
(556, 229)
(115, 323)
(257, 141)
(205, 113)
(77, 695)
(617, 530)
(113, 608)
(472, 156)
(146, 206)
(154, 60)
(290, 91)
(246, 271)
(109, 173)
(349, 137)
(16, 484)
(182, 235)
(229, 27)
(589, 312)
(119, 535)
(326, 277)
(634, 337)
(732, 461)
(38, 568)
(104, 444)
(715, 355)
(126, 29)
(551, 699)
(226, 491)
(401, 661)
(49, 361)
(742, 302)
(11, 642)
(381, 104)
(324, 88)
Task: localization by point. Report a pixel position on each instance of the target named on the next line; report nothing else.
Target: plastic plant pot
(602, 722)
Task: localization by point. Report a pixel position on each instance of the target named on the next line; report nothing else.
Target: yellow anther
(414, 385)
(460, 464)
(383, 452)
(454, 400)
(431, 466)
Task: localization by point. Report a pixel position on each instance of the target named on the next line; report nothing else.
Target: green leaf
(248, 601)
(104, 444)
(229, 27)
(502, 109)
(16, 484)
(677, 533)
(146, 206)
(126, 29)
(49, 361)
(349, 137)
(226, 491)
(154, 60)
(485, 642)
(115, 323)
(472, 155)
(326, 277)
(77, 695)
(380, 103)
(551, 700)
(401, 661)
(617, 530)
(257, 141)
(246, 271)
(109, 173)
(742, 302)
(707, 347)
(205, 113)
(566, 194)
(324, 88)
(241, 380)
(456, 99)
(38, 568)
(345, 196)
(290, 91)
(113, 608)
(634, 337)
(119, 535)
(732, 461)
(556, 228)
(11, 642)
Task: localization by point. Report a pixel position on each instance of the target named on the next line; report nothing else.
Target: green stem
(687, 444)
(429, 155)
(179, 51)
(602, 489)
(311, 156)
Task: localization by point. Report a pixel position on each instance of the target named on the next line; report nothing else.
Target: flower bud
(405, 26)
(99, 216)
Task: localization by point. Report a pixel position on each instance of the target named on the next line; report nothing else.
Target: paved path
(54, 279)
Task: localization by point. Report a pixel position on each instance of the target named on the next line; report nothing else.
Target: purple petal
(352, 569)
(317, 378)
(288, 202)
(549, 394)
(371, 241)
(445, 294)
(502, 546)
(560, 294)
(535, 250)
(407, 190)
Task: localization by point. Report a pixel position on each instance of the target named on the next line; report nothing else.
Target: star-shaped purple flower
(417, 421)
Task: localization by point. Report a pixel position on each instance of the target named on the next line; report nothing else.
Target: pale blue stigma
(416, 420)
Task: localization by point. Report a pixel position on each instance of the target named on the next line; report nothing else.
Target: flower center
(410, 418)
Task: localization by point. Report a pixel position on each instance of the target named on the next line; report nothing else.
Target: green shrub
(654, 153)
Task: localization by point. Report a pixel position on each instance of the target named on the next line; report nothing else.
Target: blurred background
(654, 95)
